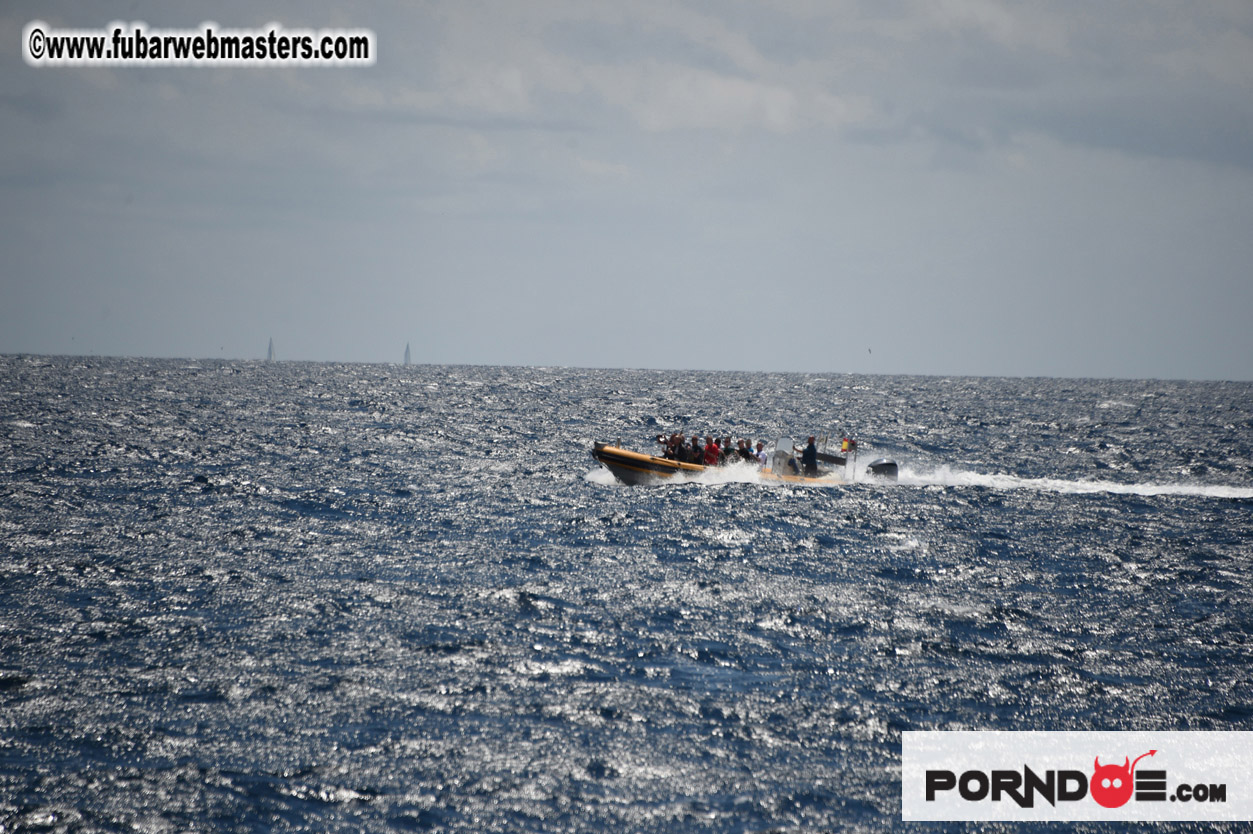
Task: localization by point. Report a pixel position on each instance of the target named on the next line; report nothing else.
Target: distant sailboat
(406, 354)
(269, 356)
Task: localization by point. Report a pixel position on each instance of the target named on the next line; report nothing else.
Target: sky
(954, 187)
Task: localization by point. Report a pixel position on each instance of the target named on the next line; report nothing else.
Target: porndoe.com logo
(1110, 785)
(1042, 776)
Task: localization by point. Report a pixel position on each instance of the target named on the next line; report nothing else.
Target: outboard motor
(883, 468)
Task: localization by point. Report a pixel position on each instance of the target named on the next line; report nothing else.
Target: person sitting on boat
(762, 459)
(691, 452)
(667, 444)
(746, 451)
(674, 450)
(711, 451)
(809, 458)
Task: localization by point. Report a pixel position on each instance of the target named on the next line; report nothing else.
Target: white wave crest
(600, 475)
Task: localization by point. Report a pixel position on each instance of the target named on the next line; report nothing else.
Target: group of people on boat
(713, 452)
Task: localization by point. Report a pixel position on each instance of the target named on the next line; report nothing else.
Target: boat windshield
(781, 457)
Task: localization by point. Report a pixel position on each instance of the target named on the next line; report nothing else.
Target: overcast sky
(888, 186)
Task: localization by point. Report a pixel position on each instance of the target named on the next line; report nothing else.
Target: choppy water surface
(309, 597)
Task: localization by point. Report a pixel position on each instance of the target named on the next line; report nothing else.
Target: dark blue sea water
(255, 597)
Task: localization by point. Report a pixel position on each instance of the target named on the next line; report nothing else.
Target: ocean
(283, 596)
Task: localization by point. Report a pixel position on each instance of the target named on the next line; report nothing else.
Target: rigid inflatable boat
(640, 469)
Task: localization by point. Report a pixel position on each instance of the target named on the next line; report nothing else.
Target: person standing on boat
(809, 459)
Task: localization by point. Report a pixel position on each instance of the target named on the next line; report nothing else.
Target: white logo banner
(1051, 776)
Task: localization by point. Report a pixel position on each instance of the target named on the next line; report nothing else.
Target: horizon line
(548, 365)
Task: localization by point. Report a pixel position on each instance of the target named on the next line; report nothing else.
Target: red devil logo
(1111, 785)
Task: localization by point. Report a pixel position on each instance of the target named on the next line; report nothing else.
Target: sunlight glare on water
(287, 596)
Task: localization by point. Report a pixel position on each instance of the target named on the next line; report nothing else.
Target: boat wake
(948, 476)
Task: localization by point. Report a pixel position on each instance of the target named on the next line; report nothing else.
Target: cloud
(1014, 25)
(530, 64)
(1226, 58)
(604, 170)
(662, 97)
(914, 147)
(1132, 78)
